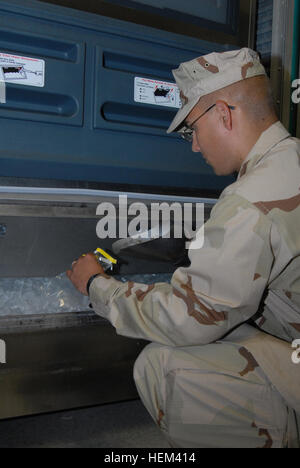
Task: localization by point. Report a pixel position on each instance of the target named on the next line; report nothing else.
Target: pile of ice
(31, 296)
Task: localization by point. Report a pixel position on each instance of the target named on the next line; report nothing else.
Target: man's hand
(82, 270)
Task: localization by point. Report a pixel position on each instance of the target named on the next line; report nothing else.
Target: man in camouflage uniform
(209, 379)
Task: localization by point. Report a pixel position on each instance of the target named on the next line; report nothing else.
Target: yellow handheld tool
(107, 262)
(110, 264)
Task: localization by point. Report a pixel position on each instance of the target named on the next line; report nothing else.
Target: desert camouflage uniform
(242, 390)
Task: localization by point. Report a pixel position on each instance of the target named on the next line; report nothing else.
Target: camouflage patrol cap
(212, 72)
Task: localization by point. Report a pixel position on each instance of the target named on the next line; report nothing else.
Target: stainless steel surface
(118, 425)
(45, 230)
(59, 367)
(36, 323)
(65, 360)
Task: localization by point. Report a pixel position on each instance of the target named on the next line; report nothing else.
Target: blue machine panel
(83, 124)
(55, 103)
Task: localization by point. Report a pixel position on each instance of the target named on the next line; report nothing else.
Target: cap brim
(182, 115)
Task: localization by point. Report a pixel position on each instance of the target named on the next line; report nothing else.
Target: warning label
(22, 70)
(159, 93)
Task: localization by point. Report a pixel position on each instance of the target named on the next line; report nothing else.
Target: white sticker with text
(158, 93)
(22, 70)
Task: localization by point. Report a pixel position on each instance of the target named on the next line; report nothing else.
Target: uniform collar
(268, 139)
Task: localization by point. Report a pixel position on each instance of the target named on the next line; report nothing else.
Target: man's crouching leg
(149, 376)
(210, 396)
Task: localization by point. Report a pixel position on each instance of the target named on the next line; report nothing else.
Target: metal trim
(282, 44)
(30, 323)
(244, 35)
(87, 195)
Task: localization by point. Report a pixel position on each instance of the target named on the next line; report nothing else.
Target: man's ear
(224, 114)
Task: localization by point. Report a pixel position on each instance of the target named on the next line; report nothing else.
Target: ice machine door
(76, 104)
(75, 115)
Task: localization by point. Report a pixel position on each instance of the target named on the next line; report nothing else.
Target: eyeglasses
(188, 132)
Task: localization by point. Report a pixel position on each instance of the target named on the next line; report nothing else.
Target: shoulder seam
(259, 206)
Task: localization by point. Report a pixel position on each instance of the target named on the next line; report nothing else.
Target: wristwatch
(90, 282)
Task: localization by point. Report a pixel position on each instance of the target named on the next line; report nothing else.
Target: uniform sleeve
(221, 288)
